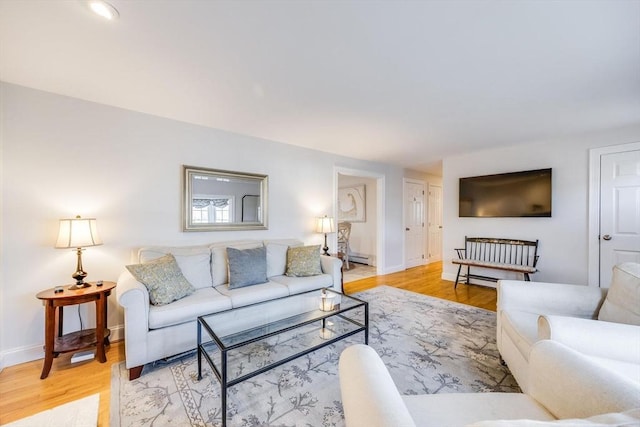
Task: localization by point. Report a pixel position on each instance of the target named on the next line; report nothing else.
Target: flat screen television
(516, 194)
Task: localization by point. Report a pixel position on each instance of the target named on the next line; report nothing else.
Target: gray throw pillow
(303, 261)
(163, 279)
(247, 267)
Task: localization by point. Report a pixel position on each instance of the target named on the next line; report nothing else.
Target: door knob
(606, 237)
(406, 229)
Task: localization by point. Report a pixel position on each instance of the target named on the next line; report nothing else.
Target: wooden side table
(56, 343)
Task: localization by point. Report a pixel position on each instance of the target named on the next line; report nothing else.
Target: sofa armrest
(332, 266)
(570, 385)
(134, 298)
(550, 298)
(593, 337)
(369, 396)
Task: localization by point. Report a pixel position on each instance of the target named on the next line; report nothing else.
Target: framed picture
(352, 204)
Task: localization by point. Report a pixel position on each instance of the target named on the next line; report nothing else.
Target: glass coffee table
(241, 343)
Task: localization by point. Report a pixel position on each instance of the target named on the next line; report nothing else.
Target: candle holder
(327, 301)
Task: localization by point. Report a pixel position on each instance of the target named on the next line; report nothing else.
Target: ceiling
(401, 82)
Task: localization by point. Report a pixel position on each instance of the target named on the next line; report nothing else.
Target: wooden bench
(520, 256)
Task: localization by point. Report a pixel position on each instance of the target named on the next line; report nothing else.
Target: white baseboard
(16, 356)
(393, 269)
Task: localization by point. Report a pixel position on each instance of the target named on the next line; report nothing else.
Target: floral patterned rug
(429, 345)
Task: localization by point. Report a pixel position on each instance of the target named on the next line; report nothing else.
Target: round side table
(54, 341)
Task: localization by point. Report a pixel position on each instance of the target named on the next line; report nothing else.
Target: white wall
(363, 237)
(63, 156)
(563, 237)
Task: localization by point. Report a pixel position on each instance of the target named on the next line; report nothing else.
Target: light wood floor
(23, 393)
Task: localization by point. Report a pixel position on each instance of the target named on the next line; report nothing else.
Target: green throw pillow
(163, 279)
(303, 261)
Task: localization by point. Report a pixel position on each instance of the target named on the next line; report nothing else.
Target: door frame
(429, 185)
(595, 155)
(380, 204)
(404, 218)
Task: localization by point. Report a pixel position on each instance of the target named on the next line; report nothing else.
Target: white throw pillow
(276, 259)
(622, 304)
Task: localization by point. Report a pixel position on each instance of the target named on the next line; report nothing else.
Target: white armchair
(533, 311)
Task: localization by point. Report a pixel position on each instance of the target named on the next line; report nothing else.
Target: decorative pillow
(622, 304)
(163, 279)
(194, 261)
(247, 267)
(220, 262)
(276, 259)
(303, 261)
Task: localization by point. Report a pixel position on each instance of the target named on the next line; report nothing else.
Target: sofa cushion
(619, 419)
(522, 328)
(194, 261)
(202, 301)
(459, 409)
(298, 285)
(303, 261)
(253, 294)
(220, 262)
(622, 304)
(247, 266)
(276, 259)
(163, 279)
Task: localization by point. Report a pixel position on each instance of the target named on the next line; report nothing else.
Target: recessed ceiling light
(104, 9)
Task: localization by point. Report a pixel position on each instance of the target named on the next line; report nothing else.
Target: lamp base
(79, 285)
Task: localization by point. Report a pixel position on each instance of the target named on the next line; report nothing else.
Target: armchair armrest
(332, 266)
(571, 385)
(369, 395)
(598, 338)
(550, 298)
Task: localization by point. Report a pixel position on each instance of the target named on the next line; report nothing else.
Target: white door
(414, 223)
(619, 211)
(435, 223)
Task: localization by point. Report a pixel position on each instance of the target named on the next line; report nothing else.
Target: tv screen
(516, 194)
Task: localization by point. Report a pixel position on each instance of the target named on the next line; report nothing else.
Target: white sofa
(567, 385)
(531, 311)
(156, 332)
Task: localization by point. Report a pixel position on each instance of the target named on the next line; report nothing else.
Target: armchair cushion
(622, 304)
(163, 278)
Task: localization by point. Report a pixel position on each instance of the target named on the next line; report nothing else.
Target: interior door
(414, 223)
(619, 211)
(435, 223)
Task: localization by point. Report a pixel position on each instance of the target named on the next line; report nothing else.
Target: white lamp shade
(78, 233)
(324, 225)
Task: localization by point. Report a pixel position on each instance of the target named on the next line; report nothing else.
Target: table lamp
(78, 233)
(325, 225)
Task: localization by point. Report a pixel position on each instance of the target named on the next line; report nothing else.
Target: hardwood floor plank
(23, 393)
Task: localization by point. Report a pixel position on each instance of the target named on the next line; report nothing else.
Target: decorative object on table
(429, 346)
(78, 233)
(352, 204)
(324, 225)
(327, 300)
(344, 233)
(54, 340)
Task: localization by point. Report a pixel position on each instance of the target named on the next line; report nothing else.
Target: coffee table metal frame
(319, 315)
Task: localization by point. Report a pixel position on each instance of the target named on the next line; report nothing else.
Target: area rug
(429, 346)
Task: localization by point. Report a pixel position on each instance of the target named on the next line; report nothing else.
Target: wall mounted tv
(516, 194)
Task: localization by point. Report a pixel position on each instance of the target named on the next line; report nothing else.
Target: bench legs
(457, 276)
(526, 277)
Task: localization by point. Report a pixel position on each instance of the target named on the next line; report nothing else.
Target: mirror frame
(187, 196)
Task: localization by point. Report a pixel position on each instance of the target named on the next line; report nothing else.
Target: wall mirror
(217, 200)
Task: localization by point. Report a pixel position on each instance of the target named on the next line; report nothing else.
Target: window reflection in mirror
(223, 200)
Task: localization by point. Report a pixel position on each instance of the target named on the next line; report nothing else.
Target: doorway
(359, 200)
(614, 210)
